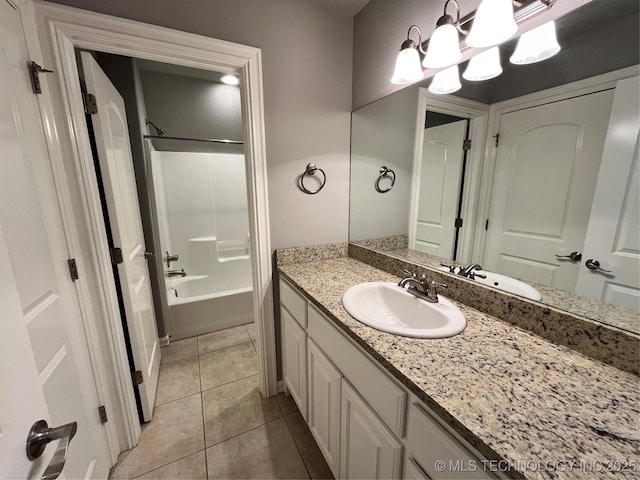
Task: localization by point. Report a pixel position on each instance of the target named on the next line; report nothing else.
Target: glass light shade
(536, 45)
(493, 24)
(444, 48)
(408, 69)
(446, 81)
(483, 66)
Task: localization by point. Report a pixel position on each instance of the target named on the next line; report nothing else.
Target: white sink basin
(507, 284)
(387, 307)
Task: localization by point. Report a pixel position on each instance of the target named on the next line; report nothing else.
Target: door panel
(442, 157)
(45, 370)
(546, 169)
(116, 166)
(613, 236)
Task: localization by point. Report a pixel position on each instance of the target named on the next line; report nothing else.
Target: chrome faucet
(420, 287)
(176, 273)
(468, 271)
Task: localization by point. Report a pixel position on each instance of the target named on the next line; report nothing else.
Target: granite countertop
(510, 393)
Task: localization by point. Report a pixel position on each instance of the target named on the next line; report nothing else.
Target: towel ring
(384, 172)
(311, 170)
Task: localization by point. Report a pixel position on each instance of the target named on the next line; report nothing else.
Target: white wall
(383, 133)
(199, 195)
(307, 63)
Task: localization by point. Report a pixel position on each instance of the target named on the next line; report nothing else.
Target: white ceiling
(350, 6)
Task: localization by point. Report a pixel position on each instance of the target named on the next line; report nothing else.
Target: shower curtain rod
(208, 140)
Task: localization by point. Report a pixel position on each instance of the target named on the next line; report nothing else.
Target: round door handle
(592, 264)
(573, 256)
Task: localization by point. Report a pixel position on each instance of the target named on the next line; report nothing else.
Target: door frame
(65, 28)
(606, 81)
(478, 114)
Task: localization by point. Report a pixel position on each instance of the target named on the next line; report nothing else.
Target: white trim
(563, 92)
(478, 114)
(70, 28)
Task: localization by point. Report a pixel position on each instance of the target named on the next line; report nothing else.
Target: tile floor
(210, 420)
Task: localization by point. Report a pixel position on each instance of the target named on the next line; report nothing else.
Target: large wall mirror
(533, 174)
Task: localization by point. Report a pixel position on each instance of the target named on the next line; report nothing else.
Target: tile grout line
(250, 430)
(295, 442)
(204, 434)
(174, 461)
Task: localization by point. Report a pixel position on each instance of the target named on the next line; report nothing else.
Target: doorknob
(38, 438)
(573, 256)
(592, 264)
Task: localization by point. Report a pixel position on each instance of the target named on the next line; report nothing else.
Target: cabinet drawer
(386, 398)
(429, 442)
(294, 302)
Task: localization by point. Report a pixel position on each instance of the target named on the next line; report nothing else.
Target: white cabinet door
(613, 237)
(45, 370)
(440, 175)
(116, 165)
(294, 342)
(325, 382)
(546, 169)
(367, 448)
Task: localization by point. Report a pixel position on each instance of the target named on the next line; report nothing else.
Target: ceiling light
(444, 45)
(493, 24)
(408, 69)
(230, 80)
(536, 45)
(446, 81)
(484, 66)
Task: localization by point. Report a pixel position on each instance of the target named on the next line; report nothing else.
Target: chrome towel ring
(310, 171)
(384, 172)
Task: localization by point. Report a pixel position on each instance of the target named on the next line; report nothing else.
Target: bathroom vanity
(494, 401)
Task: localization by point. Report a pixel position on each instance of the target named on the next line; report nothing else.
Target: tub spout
(176, 273)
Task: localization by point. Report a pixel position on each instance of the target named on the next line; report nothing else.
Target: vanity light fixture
(446, 81)
(483, 66)
(230, 80)
(493, 24)
(536, 45)
(408, 69)
(444, 45)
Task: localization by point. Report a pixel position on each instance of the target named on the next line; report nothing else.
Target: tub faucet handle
(170, 258)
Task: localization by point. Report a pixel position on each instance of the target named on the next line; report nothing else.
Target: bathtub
(195, 311)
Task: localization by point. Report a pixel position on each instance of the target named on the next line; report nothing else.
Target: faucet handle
(410, 273)
(452, 268)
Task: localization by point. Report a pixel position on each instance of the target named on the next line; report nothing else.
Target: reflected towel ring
(311, 170)
(384, 172)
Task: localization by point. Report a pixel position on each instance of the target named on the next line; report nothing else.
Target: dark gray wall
(307, 64)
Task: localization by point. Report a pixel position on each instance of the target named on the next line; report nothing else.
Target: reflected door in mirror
(546, 170)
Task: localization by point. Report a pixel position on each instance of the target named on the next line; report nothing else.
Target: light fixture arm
(408, 43)
(448, 19)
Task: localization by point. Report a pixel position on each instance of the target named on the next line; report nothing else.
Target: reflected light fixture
(408, 69)
(483, 66)
(446, 81)
(493, 24)
(444, 45)
(230, 80)
(536, 45)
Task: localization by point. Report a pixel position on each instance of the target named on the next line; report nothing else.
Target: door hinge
(90, 104)
(458, 223)
(497, 137)
(137, 377)
(34, 73)
(103, 414)
(116, 256)
(486, 224)
(73, 269)
(466, 144)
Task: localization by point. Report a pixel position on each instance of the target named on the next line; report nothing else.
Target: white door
(367, 448)
(546, 169)
(439, 193)
(45, 369)
(613, 237)
(116, 164)
(325, 384)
